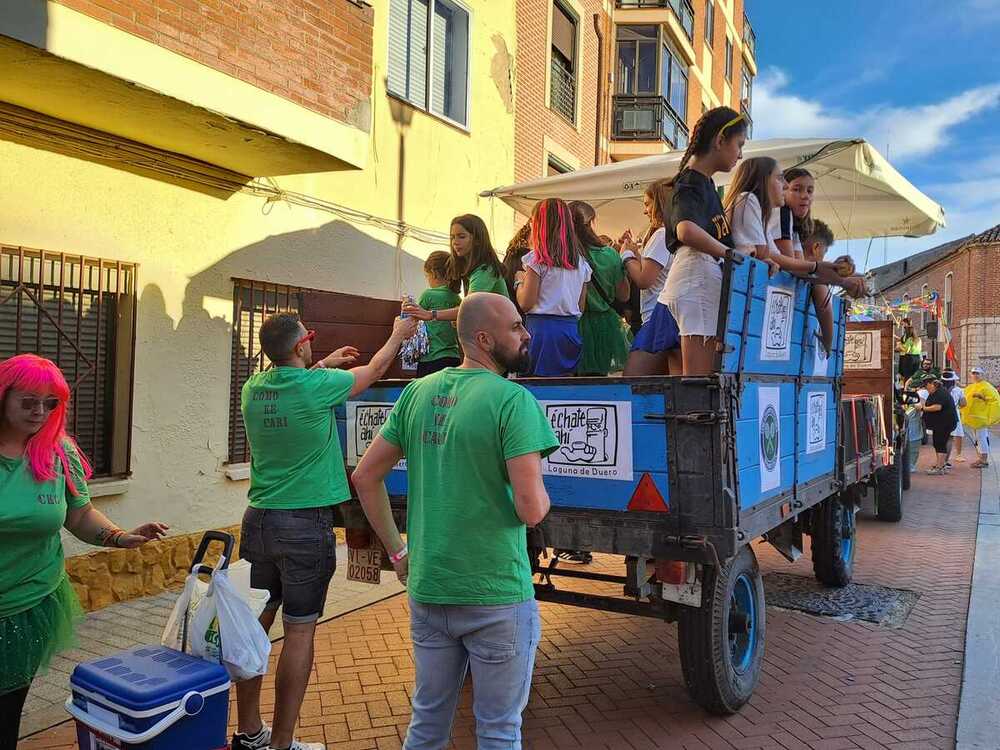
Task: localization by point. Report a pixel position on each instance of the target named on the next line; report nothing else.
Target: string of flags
(895, 308)
(900, 308)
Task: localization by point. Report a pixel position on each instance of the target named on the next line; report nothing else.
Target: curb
(978, 719)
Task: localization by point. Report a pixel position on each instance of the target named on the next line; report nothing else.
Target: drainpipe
(600, 89)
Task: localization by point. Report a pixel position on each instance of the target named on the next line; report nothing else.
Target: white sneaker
(298, 745)
(259, 741)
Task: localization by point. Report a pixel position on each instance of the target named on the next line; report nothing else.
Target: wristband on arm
(397, 556)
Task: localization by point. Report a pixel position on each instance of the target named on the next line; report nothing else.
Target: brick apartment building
(966, 275)
(623, 78)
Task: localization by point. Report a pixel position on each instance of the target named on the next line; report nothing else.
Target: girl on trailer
(441, 294)
(656, 347)
(698, 233)
(795, 222)
(552, 290)
(474, 265)
(605, 343)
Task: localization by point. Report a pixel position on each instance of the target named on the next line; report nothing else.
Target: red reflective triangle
(647, 497)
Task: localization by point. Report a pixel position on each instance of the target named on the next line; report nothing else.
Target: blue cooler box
(150, 697)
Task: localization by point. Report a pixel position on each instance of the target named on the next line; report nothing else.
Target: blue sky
(922, 76)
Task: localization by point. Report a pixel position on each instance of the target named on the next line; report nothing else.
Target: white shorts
(959, 431)
(983, 441)
(693, 292)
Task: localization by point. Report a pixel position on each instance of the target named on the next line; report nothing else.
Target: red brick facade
(975, 300)
(533, 119)
(317, 53)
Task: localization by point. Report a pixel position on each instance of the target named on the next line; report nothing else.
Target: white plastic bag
(187, 603)
(194, 591)
(225, 629)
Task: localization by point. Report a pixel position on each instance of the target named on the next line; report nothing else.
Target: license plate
(364, 564)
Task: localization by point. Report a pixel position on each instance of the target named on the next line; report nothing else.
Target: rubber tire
(703, 638)
(829, 565)
(903, 465)
(889, 493)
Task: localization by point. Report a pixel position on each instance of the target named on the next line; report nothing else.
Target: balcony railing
(562, 95)
(681, 8)
(749, 38)
(648, 118)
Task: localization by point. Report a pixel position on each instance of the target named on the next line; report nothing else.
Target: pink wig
(552, 235)
(29, 372)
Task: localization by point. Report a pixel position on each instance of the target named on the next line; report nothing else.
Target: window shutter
(564, 34)
(407, 73)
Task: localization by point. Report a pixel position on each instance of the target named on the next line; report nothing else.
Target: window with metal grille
(252, 303)
(79, 312)
(562, 86)
(429, 56)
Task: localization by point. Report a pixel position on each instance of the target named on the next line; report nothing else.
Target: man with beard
(296, 477)
(473, 443)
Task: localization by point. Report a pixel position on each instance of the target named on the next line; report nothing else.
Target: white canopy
(858, 193)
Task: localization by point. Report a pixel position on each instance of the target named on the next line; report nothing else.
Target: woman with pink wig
(43, 486)
(552, 290)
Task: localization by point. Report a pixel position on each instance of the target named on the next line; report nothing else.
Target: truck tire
(722, 642)
(903, 465)
(889, 492)
(834, 540)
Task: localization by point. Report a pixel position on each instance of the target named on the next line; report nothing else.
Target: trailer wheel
(833, 540)
(889, 492)
(722, 642)
(903, 464)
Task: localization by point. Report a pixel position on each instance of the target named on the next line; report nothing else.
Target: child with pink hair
(552, 290)
(43, 483)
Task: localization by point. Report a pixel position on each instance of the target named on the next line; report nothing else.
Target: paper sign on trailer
(595, 439)
(364, 421)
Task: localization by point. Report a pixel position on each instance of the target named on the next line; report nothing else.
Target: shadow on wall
(184, 372)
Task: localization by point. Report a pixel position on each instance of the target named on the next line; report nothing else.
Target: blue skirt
(555, 346)
(659, 333)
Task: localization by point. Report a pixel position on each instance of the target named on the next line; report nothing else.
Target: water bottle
(407, 300)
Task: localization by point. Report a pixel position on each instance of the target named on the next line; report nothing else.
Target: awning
(858, 192)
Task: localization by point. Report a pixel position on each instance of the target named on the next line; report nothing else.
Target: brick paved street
(614, 681)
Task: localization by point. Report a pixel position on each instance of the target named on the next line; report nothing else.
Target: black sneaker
(577, 557)
(259, 741)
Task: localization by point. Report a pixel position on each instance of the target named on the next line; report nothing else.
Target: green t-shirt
(606, 264)
(295, 456)
(31, 516)
(457, 429)
(485, 279)
(441, 334)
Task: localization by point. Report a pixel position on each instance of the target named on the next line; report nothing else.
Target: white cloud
(910, 131)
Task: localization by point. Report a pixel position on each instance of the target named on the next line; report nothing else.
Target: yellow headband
(731, 123)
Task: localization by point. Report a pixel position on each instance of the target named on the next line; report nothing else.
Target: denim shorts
(292, 554)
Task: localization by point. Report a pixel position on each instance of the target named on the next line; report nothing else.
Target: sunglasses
(30, 403)
(310, 335)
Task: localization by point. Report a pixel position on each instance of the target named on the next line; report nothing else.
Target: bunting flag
(895, 308)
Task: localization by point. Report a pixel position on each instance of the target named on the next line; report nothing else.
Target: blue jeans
(498, 644)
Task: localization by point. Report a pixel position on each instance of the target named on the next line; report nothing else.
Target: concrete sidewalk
(141, 621)
(978, 718)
